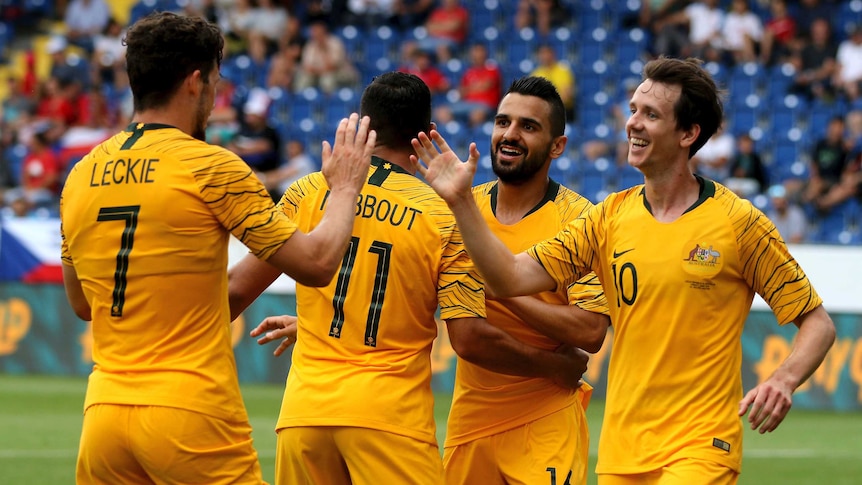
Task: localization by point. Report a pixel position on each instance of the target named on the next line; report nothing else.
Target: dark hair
(399, 105)
(543, 89)
(163, 48)
(699, 101)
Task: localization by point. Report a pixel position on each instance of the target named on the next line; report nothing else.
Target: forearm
(482, 344)
(330, 238)
(247, 279)
(813, 341)
(567, 324)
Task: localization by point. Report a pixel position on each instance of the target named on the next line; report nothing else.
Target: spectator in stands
(240, 20)
(713, 159)
(447, 27)
(779, 34)
(324, 63)
(16, 105)
(747, 174)
(284, 62)
(109, 53)
(412, 13)
(420, 63)
(850, 182)
(479, 90)
(540, 14)
(559, 73)
(741, 33)
(815, 62)
(652, 18)
(40, 175)
(692, 31)
(57, 103)
(84, 20)
(65, 65)
(270, 19)
(828, 161)
(806, 13)
(297, 164)
(853, 138)
(848, 65)
(223, 122)
(257, 142)
(788, 217)
(849, 185)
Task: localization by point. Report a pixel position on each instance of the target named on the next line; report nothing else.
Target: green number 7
(128, 213)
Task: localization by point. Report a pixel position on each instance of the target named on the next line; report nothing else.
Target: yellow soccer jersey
(145, 222)
(679, 294)
(362, 356)
(518, 400)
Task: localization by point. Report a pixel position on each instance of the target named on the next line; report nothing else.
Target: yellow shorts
(680, 472)
(341, 455)
(163, 445)
(552, 450)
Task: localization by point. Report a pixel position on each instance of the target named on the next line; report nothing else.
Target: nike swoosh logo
(618, 254)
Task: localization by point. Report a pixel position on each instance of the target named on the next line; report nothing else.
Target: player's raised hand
(442, 169)
(345, 164)
(274, 328)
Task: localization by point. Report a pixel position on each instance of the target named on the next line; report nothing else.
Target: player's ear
(558, 146)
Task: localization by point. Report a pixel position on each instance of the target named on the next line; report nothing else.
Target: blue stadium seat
(791, 111)
(629, 176)
(563, 170)
(518, 49)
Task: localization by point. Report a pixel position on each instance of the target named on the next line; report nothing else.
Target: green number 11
(383, 251)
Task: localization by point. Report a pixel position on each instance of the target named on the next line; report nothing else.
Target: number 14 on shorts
(553, 472)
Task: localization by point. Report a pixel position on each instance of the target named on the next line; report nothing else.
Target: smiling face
(655, 139)
(522, 143)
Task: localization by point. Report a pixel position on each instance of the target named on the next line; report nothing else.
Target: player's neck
(514, 201)
(671, 194)
(396, 156)
(164, 117)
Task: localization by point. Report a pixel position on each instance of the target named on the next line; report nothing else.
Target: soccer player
(358, 406)
(511, 429)
(146, 218)
(680, 258)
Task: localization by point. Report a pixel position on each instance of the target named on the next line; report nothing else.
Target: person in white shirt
(741, 33)
(848, 75)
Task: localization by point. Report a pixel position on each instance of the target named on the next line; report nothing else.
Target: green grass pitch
(40, 418)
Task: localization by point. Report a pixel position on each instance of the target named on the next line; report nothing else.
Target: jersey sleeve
(290, 200)
(770, 269)
(241, 203)
(571, 253)
(65, 254)
(587, 294)
(460, 289)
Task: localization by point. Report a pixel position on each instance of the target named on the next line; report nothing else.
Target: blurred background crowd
(792, 71)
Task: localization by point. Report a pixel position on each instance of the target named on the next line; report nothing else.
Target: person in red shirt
(421, 63)
(447, 28)
(40, 176)
(479, 88)
(779, 34)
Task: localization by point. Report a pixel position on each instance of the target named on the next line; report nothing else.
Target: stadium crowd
(792, 71)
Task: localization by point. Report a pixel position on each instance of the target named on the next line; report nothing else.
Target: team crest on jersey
(702, 258)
